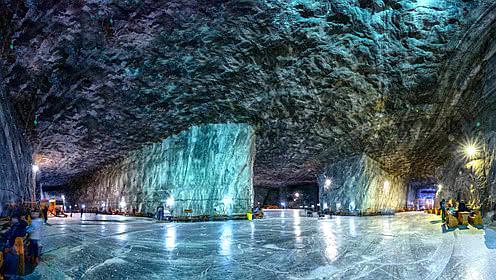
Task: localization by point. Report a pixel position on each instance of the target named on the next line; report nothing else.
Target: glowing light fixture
(82, 206)
(471, 151)
(170, 201)
(36, 168)
(327, 183)
(227, 200)
(439, 189)
(297, 194)
(387, 184)
(122, 204)
(283, 204)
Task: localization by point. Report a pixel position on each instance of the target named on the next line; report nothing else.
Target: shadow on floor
(436, 222)
(447, 229)
(490, 238)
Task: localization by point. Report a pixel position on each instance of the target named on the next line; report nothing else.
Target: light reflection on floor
(286, 245)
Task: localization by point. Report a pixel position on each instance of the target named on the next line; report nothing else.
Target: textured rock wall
(359, 184)
(475, 179)
(15, 157)
(200, 168)
(311, 74)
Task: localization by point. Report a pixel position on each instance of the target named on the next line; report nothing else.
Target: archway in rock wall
(422, 194)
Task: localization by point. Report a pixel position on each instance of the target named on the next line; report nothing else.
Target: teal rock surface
(320, 80)
(359, 185)
(206, 169)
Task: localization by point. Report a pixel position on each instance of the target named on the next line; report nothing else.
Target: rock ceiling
(320, 80)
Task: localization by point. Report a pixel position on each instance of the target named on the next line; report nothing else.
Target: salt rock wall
(358, 184)
(473, 180)
(205, 168)
(15, 158)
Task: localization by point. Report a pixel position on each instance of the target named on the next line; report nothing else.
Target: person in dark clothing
(18, 229)
(462, 207)
(44, 210)
(81, 211)
(443, 210)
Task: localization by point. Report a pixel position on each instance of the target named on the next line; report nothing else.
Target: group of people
(452, 207)
(18, 235)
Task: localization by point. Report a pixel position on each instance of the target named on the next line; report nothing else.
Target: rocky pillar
(359, 185)
(207, 169)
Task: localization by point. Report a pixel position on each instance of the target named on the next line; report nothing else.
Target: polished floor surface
(282, 246)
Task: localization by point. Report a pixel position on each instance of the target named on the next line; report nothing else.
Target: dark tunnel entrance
(298, 196)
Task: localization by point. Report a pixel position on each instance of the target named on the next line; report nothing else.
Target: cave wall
(471, 178)
(359, 184)
(199, 167)
(16, 179)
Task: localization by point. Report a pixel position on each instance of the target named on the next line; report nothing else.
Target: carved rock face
(318, 81)
(206, 169)
(15, 165)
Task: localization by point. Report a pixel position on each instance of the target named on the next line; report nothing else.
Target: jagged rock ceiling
(93, 80)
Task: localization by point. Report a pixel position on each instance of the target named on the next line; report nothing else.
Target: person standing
(81, 211)
(160, 213)
(44, 211)
(443, 210)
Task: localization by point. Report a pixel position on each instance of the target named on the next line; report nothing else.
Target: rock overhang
(320, 81)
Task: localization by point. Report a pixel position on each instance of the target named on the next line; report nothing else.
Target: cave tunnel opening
(422, 194)
(292, 196)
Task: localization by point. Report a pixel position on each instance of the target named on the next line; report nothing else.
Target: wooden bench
(463, 218)
(475, 220)
(451, 221)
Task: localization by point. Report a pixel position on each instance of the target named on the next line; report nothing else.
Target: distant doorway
(421, 195)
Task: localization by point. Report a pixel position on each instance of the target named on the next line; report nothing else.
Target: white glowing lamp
(36, 168)
(471, 151)
(227, 200)
(122, 204)
(387, 184)
(170, 201)
(327, 183)
(297, 194)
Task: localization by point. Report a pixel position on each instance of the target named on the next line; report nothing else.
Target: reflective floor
(283, 246)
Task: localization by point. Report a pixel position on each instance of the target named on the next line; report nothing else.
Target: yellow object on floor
(451, 221)
(249, 216)
(476, 220)
(463, 218)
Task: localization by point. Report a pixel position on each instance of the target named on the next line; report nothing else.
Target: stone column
(207, 169)
(359, 185)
